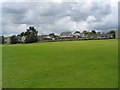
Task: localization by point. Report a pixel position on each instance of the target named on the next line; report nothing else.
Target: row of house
(65, 36)
(45, 37)
(21, 39)
(70, 35)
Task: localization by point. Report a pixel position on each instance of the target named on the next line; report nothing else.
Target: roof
(66, 33)
(44, 36)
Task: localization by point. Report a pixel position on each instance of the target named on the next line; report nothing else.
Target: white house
(45, 37)
(71, 35)
(66, 34)
(23, 38)
(78, 35)
(20, 39)
(7, 40)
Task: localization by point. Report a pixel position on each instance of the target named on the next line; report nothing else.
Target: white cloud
(91, 19)
(58, 16)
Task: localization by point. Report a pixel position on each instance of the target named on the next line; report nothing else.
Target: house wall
(47, 39)
(66, 36)
(8, 40)
(117, 34)
(23, 39)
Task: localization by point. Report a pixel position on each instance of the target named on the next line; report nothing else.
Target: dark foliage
(93, 32)
(77, 32)
(52, 35)
(86, 33)
(13, 39)
(3, 40)
(112, 32)
(31, 35)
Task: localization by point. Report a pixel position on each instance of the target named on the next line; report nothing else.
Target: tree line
(31, 35)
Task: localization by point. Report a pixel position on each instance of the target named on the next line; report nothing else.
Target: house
(71, 35)
(102, 36)
(117, 34)
(91, 36)
(106, 36)
(67, 35)
(110, 36)
(7, 40)
(78, 35)
(21, 39)
(45, 37)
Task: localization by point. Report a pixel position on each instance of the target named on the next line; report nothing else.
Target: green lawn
(66, 64)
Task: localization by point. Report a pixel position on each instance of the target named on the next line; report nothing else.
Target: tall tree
(52, 35)
(31, 35)
(93, 31)
(77, 32)
(22, 34)
(3, 39)
(112, 32)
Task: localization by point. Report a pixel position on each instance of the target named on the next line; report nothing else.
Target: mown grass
(68, 64)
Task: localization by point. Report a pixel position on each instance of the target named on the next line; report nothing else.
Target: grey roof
(45, 36)
(65, 33)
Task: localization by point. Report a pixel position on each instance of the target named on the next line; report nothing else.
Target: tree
(52, 35)
(13, 39)
(57, 37)
(86, 33)
(77, 32)
(3, 39)
(98, 32)
(31, 35)
(112, 32)
(22, 34)
(93, 31)
(103, 32)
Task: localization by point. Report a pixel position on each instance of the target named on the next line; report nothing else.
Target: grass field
(67, 64)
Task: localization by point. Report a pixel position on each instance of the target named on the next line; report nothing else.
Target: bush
(13, 39)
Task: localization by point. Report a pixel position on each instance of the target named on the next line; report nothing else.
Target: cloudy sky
(58, 16)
